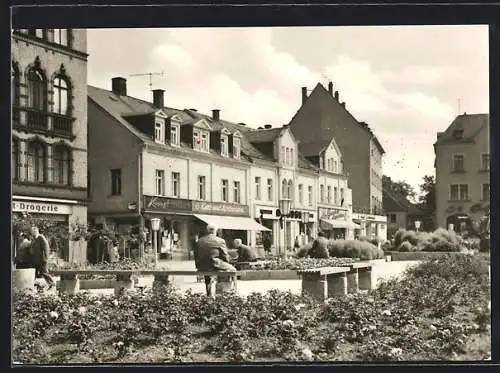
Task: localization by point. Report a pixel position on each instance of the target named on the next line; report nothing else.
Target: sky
(406, 82)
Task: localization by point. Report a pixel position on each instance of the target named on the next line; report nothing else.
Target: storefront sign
(40, 208)
(332, 214)
(166, 204)
(220, 208)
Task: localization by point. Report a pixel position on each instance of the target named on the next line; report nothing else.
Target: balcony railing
(37, 120)
(62, 126)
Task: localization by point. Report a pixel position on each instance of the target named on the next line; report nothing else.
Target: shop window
(62, 165)
(116, 182)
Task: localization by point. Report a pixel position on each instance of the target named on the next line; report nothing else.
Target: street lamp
(284, 205)
(417, 224)
(305, 220)
(155, 227)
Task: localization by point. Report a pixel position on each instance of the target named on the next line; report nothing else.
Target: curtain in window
(61, 165)
(36, 162)
(36, 90)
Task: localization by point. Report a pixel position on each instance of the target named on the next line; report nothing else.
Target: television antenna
(150, 75)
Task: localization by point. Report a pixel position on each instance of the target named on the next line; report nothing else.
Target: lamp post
(155, 227)
(306, 224)
(284, 205)
(417, 224)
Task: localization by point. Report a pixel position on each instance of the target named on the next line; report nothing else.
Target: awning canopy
(343, 224)
(232, 222)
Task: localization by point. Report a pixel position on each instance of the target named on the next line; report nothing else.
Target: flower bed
(441, 240)
(422, 255)
(295, 264)
(437, 311)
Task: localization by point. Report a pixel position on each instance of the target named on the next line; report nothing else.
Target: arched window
(290, 190)
(61, 96)
(61, 165)
(284, 190)
(15, 159)
(36, 162)
(37, 90)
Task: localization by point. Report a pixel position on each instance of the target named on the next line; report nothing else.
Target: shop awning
(232, 222)
(343, 224)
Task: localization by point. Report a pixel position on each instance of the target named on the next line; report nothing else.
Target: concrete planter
(23, 279)
(375, 261)
(422, 255)
(252, 275)
(388, 258)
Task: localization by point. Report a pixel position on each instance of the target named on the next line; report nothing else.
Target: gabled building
(323, 117)
(462, 164)
(49, 133)
(401, 213)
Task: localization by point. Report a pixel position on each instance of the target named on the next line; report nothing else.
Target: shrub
(336, 248)
(405, 247)
(445, 240)
(386, 246)
(303, 251)
(398, 237)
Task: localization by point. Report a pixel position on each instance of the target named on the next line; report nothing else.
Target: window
(341, 196)
(37, 32)
(116, 182)
(204, 142)
(62, 165)
(329, 194)
(196, 140)
(202, 194)
(36, 90)
(282, 155)
(335, 166)
(236, 148)
(160, 182)
(335, 196)
(485, 162)
(61, 36)
(458, 133)
(15, 159)
(301, 194)
(176, 184)
(15, 86)
(458, 162)
(61, 96)
(291, 193)
(174, 135)
(35, 159)
(459, 192)
(284, 189)
(322, 193)
(291, 157)
(287, 156)
(486, 192)
(224, 146)
(257, 188)
(159, 136)
(392, 218)
(237, 194)
(310, 195)
(224, 190)
(321, 163)
(269, 189)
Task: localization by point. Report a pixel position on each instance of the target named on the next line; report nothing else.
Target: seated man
(245, 253)
(319, 247)
(211, 255)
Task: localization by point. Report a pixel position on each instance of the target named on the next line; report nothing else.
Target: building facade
(49, 130)
(401, 213)
(462, 164)
(321, 118)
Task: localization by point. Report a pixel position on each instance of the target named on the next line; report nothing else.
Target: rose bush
(431, 313)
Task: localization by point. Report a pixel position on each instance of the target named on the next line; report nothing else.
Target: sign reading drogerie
(40, 207)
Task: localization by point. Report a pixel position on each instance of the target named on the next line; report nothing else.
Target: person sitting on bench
(245, 253)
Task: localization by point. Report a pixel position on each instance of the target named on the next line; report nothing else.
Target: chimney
(119, 86)
(215, 114)
(337, 95)
(304, 94)
(158, 98)
(342, 104)
(330, 88)
(267, 126)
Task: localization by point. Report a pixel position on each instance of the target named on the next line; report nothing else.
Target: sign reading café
(40, 208)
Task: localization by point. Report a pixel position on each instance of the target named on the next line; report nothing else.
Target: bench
(325, 282)
(70, 283)
(359, 277)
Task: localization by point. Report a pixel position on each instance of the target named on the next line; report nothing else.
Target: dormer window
(160, 131)
(174, 135)
(236, 148)
(224, 148)
(200, 140)
(458, 133)
(204, 141)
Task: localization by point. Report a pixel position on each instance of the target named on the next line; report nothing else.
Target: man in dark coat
(212, 255)
(319, 247)
(40, 252)
(245, 253)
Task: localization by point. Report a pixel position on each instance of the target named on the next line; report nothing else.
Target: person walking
(40, 251)
(212, 255)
